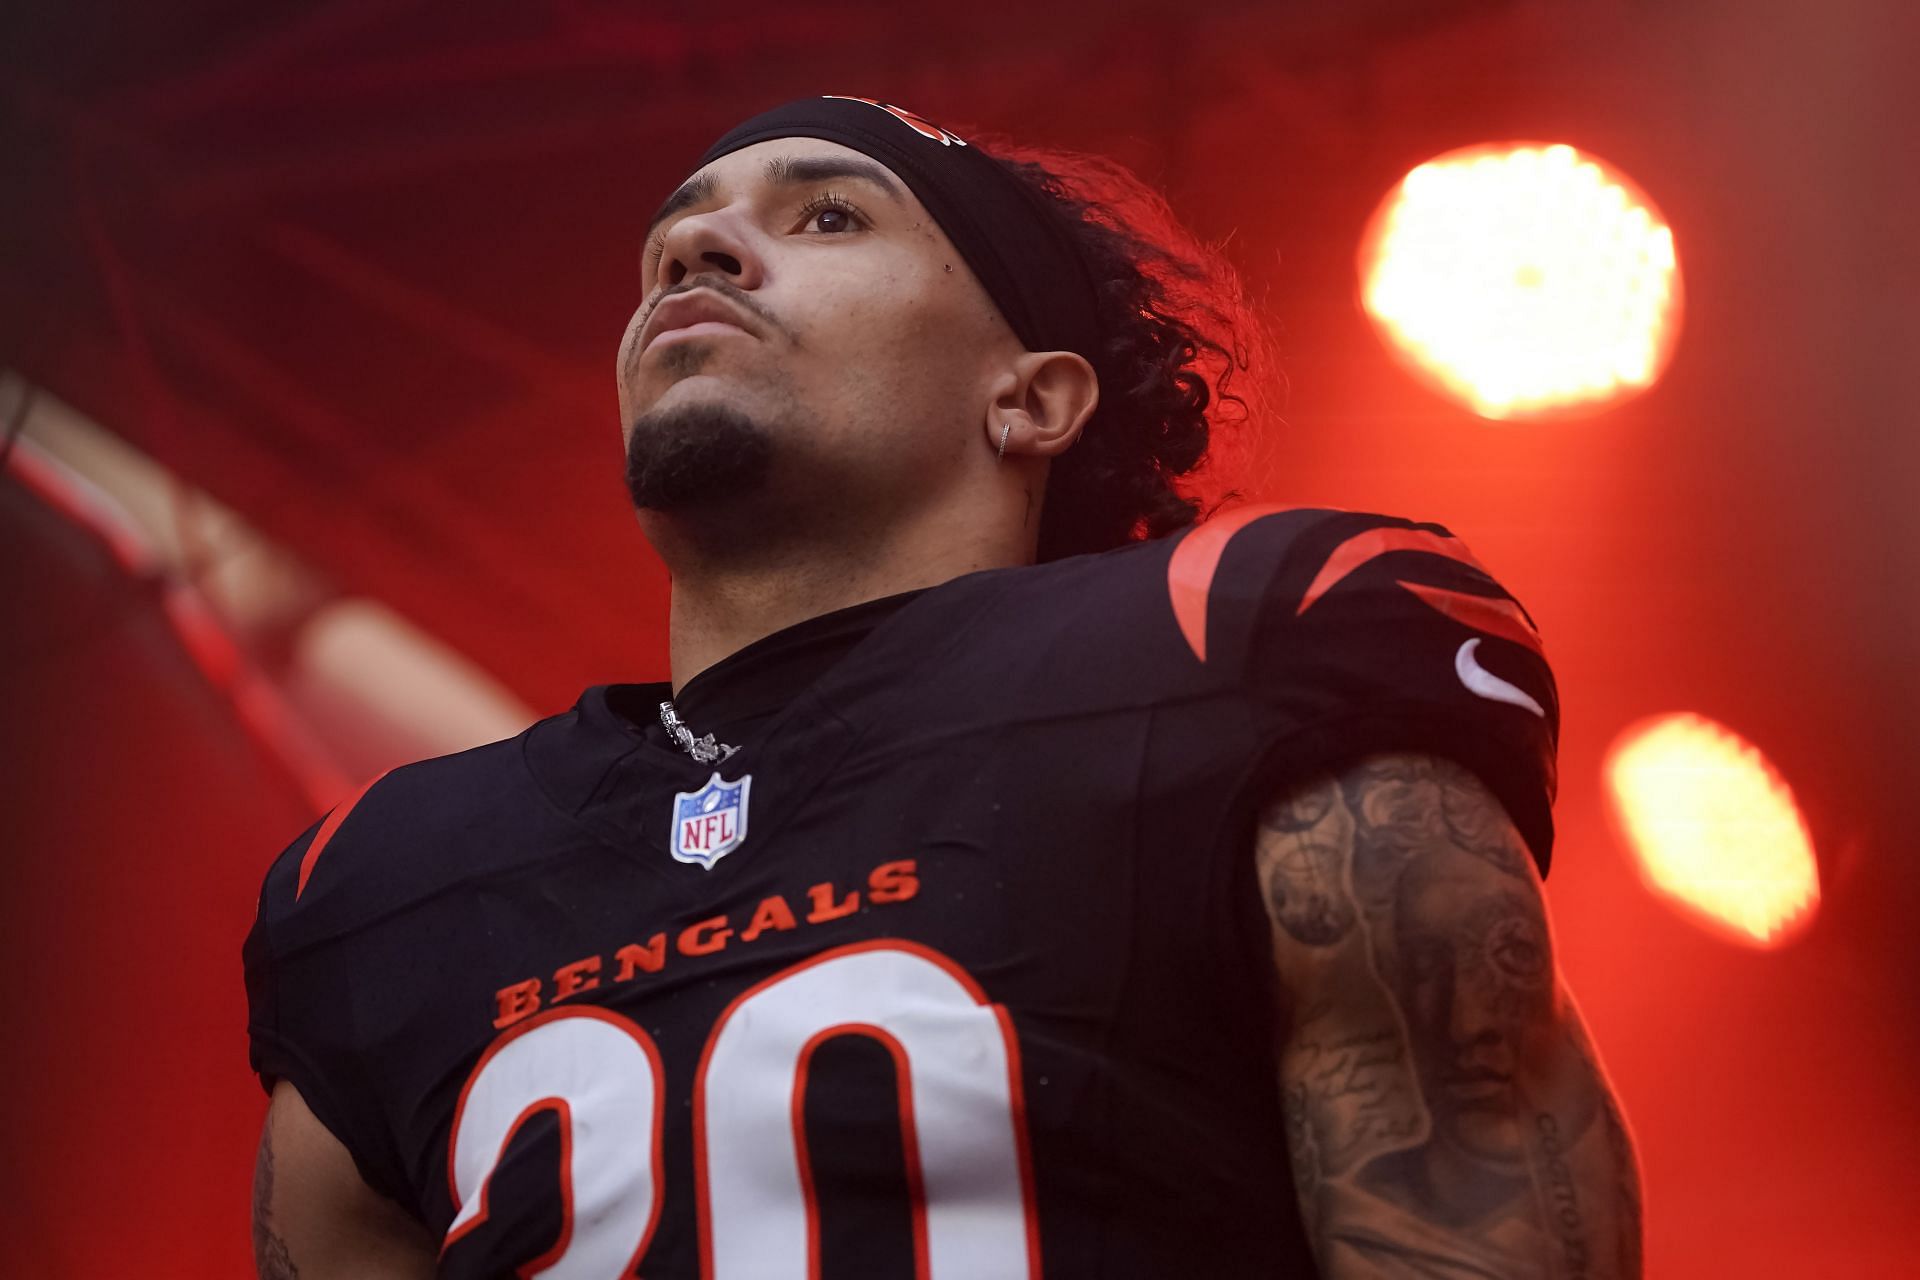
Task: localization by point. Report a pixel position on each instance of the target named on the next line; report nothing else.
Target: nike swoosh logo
(1483, 682)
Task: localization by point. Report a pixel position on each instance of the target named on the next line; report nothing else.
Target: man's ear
(1047, 396)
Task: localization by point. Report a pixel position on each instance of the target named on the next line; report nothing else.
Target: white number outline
(554, 1257)
(916, 1170)
(915, 1167)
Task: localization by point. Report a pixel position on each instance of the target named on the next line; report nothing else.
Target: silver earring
(1000, 454)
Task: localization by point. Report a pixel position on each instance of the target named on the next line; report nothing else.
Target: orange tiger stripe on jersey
(1191, 568)
(1496, 617)
(327, 828)
(1362, 547)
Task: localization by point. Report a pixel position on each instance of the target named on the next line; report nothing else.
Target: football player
(1016, 875)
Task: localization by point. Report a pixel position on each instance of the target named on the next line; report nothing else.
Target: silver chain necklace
(703, 749)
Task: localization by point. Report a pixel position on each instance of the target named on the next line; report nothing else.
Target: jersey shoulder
(1360, 632)
(402, 837)
(1347, 632)
(1244, 579)
(318, 958)
(1215, 593)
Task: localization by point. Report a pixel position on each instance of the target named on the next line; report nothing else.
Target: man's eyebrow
(783, 171)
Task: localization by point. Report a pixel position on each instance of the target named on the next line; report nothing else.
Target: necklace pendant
(704, 749)
(707, 751)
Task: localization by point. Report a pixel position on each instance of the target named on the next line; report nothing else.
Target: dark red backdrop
(359, 269)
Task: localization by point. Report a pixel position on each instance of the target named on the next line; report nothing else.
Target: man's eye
(845, 215)
(831, 215)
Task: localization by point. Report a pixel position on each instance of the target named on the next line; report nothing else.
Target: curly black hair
(1176, 329)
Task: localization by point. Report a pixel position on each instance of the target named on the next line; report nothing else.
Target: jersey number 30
(961, 1118)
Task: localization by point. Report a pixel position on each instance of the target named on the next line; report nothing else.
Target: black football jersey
(957, 968)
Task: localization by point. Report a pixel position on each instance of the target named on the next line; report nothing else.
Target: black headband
(1017, 242)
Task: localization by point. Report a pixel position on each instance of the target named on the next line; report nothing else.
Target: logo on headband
(924, 128)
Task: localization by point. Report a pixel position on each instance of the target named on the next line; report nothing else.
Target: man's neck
(718, 610)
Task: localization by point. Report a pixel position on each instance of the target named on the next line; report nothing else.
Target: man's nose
(716, 243)
(725, 261)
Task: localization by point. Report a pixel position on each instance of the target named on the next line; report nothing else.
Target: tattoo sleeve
(270, 1256)
(1446, 1112)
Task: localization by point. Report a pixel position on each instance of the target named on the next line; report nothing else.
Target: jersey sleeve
(1375, 633)
(304, 994)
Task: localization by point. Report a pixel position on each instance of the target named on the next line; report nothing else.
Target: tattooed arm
(1447, 1114)
(314, 1217)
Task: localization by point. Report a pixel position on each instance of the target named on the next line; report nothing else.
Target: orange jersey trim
(1362, 547)
(1483, 613)
(1194, 562)
(1191, 570)
(327, 828)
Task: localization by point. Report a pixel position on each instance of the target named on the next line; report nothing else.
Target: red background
(371, 263)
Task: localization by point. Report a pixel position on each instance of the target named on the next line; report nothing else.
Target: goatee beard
(700, 455)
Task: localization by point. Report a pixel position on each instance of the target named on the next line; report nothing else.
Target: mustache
(725, 288)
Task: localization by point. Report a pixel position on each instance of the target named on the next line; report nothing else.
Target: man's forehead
(780, 162)
(750, 163)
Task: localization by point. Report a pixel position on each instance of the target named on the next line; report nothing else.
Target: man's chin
(686, 454)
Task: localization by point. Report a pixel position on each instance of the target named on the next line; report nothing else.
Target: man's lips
(699, 329)
(694, 314)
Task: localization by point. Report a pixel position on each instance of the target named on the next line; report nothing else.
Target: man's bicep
(314, 1217)
(1433, 1067)
(1333, 852)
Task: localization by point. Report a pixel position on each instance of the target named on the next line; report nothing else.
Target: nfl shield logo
(710, 823)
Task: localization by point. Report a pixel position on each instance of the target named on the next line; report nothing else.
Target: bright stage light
(1523, 279)
(1714, 828)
